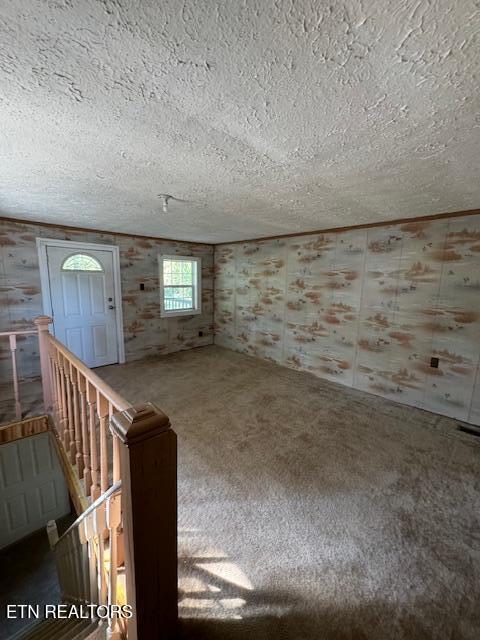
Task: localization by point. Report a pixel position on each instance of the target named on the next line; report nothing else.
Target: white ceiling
(269, 117)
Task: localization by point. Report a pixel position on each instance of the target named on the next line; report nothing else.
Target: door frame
(44, 243)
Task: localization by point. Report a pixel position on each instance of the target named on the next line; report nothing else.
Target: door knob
(111, 306)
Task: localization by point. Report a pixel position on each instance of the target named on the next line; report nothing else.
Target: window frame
(197, 287)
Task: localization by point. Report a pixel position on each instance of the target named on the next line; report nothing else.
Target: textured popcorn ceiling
(269, 117)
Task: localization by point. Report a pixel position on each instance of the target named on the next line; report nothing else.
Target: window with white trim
(180, 285)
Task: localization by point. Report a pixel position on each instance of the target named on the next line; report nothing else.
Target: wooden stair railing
(148, 468)
(12, 338)
(126, 457)
(82, 406)
(89, 559)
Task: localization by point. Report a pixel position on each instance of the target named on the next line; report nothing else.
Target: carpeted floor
(308, 510)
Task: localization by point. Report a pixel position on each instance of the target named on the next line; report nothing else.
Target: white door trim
(43, 243)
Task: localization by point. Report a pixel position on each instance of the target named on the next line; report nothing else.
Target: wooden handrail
(113, 489)
(126, 457)
(12, 338)
(27, 332)
(89, 557)
(82, 405)
(115, 399)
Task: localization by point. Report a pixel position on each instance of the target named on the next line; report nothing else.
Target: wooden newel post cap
(43, 321)
(139, 423)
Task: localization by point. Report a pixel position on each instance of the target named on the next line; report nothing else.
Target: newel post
(148, 469)
(42, 323)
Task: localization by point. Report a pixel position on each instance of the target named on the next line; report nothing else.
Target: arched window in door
(81, 262)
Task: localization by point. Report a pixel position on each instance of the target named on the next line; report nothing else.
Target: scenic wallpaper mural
(367, 308)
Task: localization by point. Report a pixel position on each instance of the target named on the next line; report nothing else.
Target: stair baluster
(87, 474)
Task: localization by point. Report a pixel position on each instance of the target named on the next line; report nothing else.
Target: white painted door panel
(32, 487)
(83, 306)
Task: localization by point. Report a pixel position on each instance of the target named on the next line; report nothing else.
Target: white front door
(83, 302)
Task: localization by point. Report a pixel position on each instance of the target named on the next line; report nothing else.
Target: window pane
(178, 272)
(177, 278)
(179, 284)
(81, 262)
(187, 275)
(178, 298)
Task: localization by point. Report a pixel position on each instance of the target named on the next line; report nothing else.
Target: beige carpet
(308, 510)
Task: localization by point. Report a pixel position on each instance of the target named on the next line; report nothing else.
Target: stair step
(49, 630)
(25, 632)
(79, 630)
(57, 629)
(98, 631)
(34, 627)
(46, 629)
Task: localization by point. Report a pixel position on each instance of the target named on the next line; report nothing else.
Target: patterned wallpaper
(367, 308)
(146, 333)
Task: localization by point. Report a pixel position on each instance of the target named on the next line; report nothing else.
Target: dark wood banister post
(148, 469)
